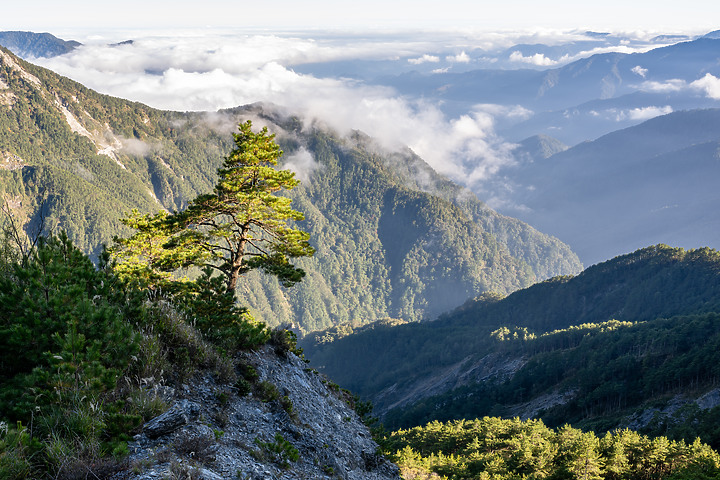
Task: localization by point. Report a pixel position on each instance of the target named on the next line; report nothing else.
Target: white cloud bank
(461, 57)
(708, 84)
(643, 113)
(207, 74)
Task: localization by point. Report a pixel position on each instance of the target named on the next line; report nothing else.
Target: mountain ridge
(74, 144)
(643, 184)
(36, 45)
(463, 359)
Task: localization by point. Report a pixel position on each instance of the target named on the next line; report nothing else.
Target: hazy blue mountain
(36, 45)
(600, 76)
(442, 56)
(562, 98)
(654, 182)
(593, 119)
(538, 147)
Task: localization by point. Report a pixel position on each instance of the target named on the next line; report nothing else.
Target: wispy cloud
(536, 59)
(302, 163)
(643, 113)
(672, 85)
(638, 70)
(708, 85)
(424, 59)
(461, 57)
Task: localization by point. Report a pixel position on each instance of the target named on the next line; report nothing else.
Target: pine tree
(242, 225)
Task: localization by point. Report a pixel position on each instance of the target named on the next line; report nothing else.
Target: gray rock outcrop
(300, 428)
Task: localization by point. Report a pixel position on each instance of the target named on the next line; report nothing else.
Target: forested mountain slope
(590, 349)
(393, 238)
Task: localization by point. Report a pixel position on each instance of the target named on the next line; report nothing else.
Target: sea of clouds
(202, 71)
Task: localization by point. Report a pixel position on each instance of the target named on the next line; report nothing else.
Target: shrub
(280, 451)
(16, 450)
(267, 392)
(285, 340)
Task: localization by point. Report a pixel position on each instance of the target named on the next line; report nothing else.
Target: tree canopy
(244, 224)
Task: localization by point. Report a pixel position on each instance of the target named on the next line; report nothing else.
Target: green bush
(16, 451)
(267, 392)
(280, 451)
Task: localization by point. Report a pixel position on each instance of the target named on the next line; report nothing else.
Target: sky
(79, 15)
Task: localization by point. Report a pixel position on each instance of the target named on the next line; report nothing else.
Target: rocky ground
(293, 424)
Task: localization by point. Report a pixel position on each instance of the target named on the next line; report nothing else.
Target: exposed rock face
(211, 432)
(672, 412)
(468, 370)
(181, 413)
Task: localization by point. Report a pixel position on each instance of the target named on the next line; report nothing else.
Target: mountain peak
(714, 35)
(36, 45)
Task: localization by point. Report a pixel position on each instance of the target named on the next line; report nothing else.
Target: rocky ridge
(296, 425)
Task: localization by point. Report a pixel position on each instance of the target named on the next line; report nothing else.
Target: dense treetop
(492, 448)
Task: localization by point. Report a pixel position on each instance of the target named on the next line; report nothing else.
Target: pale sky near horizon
(91, 16)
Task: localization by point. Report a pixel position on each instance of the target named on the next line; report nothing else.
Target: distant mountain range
(582, 100)
(624, 184)
(393, 238)
(36, 45)
(644, 184)
(654, 182)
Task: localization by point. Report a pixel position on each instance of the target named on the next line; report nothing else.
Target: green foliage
(280, 451)
(285, 340)
(17, 449)
(601, 335)
(289, 408)
(611, 369)
(62, 329)
(243, 225)
(69, 333)
(64, 344)
(492, 448)
(215, 313)
(267, 391)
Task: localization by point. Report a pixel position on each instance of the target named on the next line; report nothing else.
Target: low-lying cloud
(210, 72)
(461, 57)
(672, 85)
(201, 74)
(302, 163)
(536, 59)
(638, 114)
(424, 59)
(642, 113)
(709, 85)
(638, 70)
